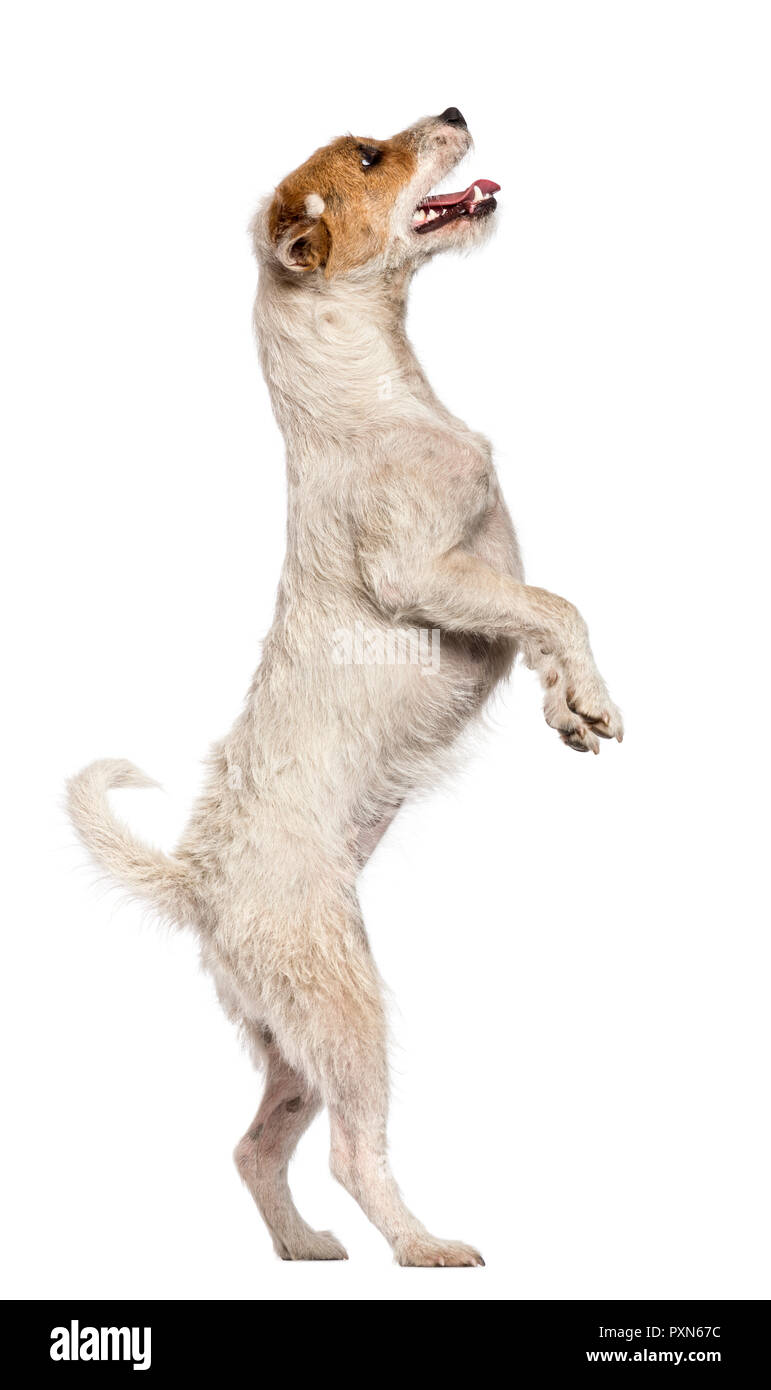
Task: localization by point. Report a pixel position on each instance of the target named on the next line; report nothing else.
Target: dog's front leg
(459, 592)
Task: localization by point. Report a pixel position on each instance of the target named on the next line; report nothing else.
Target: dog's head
(364, 206)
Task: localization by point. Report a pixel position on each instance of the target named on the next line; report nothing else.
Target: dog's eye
(368, 157)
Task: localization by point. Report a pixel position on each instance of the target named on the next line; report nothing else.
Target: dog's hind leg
(262, 1158)
(359, 1161)
(332, 1026)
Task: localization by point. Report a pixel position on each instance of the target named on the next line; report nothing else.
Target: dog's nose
(452, 116)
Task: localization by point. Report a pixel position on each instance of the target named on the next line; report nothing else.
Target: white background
(577, 948)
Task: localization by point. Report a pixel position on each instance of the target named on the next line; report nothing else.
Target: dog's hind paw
(425, 1252)
(316, 1245)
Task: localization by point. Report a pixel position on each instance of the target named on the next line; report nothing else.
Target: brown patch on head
(358, 182)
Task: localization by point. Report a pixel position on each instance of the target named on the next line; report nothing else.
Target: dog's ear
(300, 235)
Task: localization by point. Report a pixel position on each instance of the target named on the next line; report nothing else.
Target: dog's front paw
(581, 711)
(590, 702)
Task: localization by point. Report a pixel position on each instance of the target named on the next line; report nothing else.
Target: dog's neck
(337, 359)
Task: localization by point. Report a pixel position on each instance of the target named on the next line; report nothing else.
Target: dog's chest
(466, 474)
(473, 486)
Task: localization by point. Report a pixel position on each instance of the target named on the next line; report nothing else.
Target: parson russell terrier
(395, 518)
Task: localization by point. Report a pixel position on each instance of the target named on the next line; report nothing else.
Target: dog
(395, 519)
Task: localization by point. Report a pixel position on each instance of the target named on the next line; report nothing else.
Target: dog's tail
(146, 872)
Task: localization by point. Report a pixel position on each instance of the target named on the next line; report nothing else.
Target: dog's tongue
(444, 200)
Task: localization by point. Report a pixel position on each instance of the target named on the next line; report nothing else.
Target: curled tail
(144, 871)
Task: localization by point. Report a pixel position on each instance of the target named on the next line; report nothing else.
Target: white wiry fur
(395, 517)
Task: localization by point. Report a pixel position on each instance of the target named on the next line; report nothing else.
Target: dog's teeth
(431, 214)
(420, 215)
(478, 194)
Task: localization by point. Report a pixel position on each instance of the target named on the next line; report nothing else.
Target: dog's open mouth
(435, 212)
